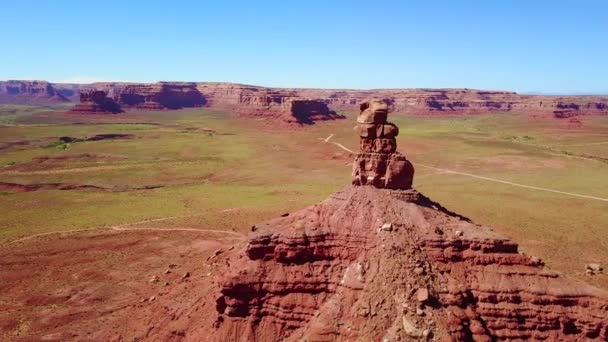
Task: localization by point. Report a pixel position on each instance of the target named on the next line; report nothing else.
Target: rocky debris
(154, 279)
(96, 101)
(410, 328)
(215, 254)
(593, 268)
(378, 162)
(387, 227)
(422, 295)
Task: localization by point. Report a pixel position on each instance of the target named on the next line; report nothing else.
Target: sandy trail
(514, 184)
(127, 227)
(588, 144)
(445, 171)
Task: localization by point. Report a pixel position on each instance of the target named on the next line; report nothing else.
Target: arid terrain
(135, 219)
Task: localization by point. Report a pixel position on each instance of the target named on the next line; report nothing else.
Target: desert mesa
(297, 105)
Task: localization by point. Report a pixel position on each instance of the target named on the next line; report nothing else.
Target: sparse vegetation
(249, 171)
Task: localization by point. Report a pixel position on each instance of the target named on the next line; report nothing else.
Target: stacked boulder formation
(378, 162)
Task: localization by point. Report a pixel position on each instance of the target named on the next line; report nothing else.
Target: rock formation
(256, 101)
(29, 92)
(96, 101)
(378, 162)
(379, 261)
(161, 95)
(307, 111)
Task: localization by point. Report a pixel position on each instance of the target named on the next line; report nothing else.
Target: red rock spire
(378, 162)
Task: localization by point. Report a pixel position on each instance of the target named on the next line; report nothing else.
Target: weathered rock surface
(328, 272)
(256, 101)
(378, 162)
(96, 101)
(26, 92)
(154, 96)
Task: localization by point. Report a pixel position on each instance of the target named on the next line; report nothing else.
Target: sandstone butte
(297, 105)
(379, 261)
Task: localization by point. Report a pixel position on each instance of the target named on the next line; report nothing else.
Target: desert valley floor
(103, 215)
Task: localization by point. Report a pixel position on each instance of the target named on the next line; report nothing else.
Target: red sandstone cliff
(247, 100)
(96, 101)
(256, 101)
(26, 92)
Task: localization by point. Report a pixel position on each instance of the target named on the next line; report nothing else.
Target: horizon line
(525, 92)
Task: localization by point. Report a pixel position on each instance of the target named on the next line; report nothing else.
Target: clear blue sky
(529, 46)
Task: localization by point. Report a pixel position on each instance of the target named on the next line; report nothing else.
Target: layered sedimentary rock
(162, 95)
(368, 264)
(26, 92)
(371, 263)
(378, 162)
(96, 101)
(256, 101)
(153, 96)
(307, 111)
(284, 104)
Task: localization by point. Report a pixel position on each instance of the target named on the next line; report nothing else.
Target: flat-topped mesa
(378, 162)
(96, 101)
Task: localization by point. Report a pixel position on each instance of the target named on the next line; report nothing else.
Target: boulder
(373, 111)
(374, 131)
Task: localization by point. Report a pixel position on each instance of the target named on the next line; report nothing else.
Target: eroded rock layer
(378, 162)
(96, 101)
(26, 92)
(154, 96)
(368, 264)
(249, 100)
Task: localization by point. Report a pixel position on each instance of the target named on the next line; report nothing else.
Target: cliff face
(153, 96)
(96, 101)
(26, 92)
(255, 101)
(291, 106)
